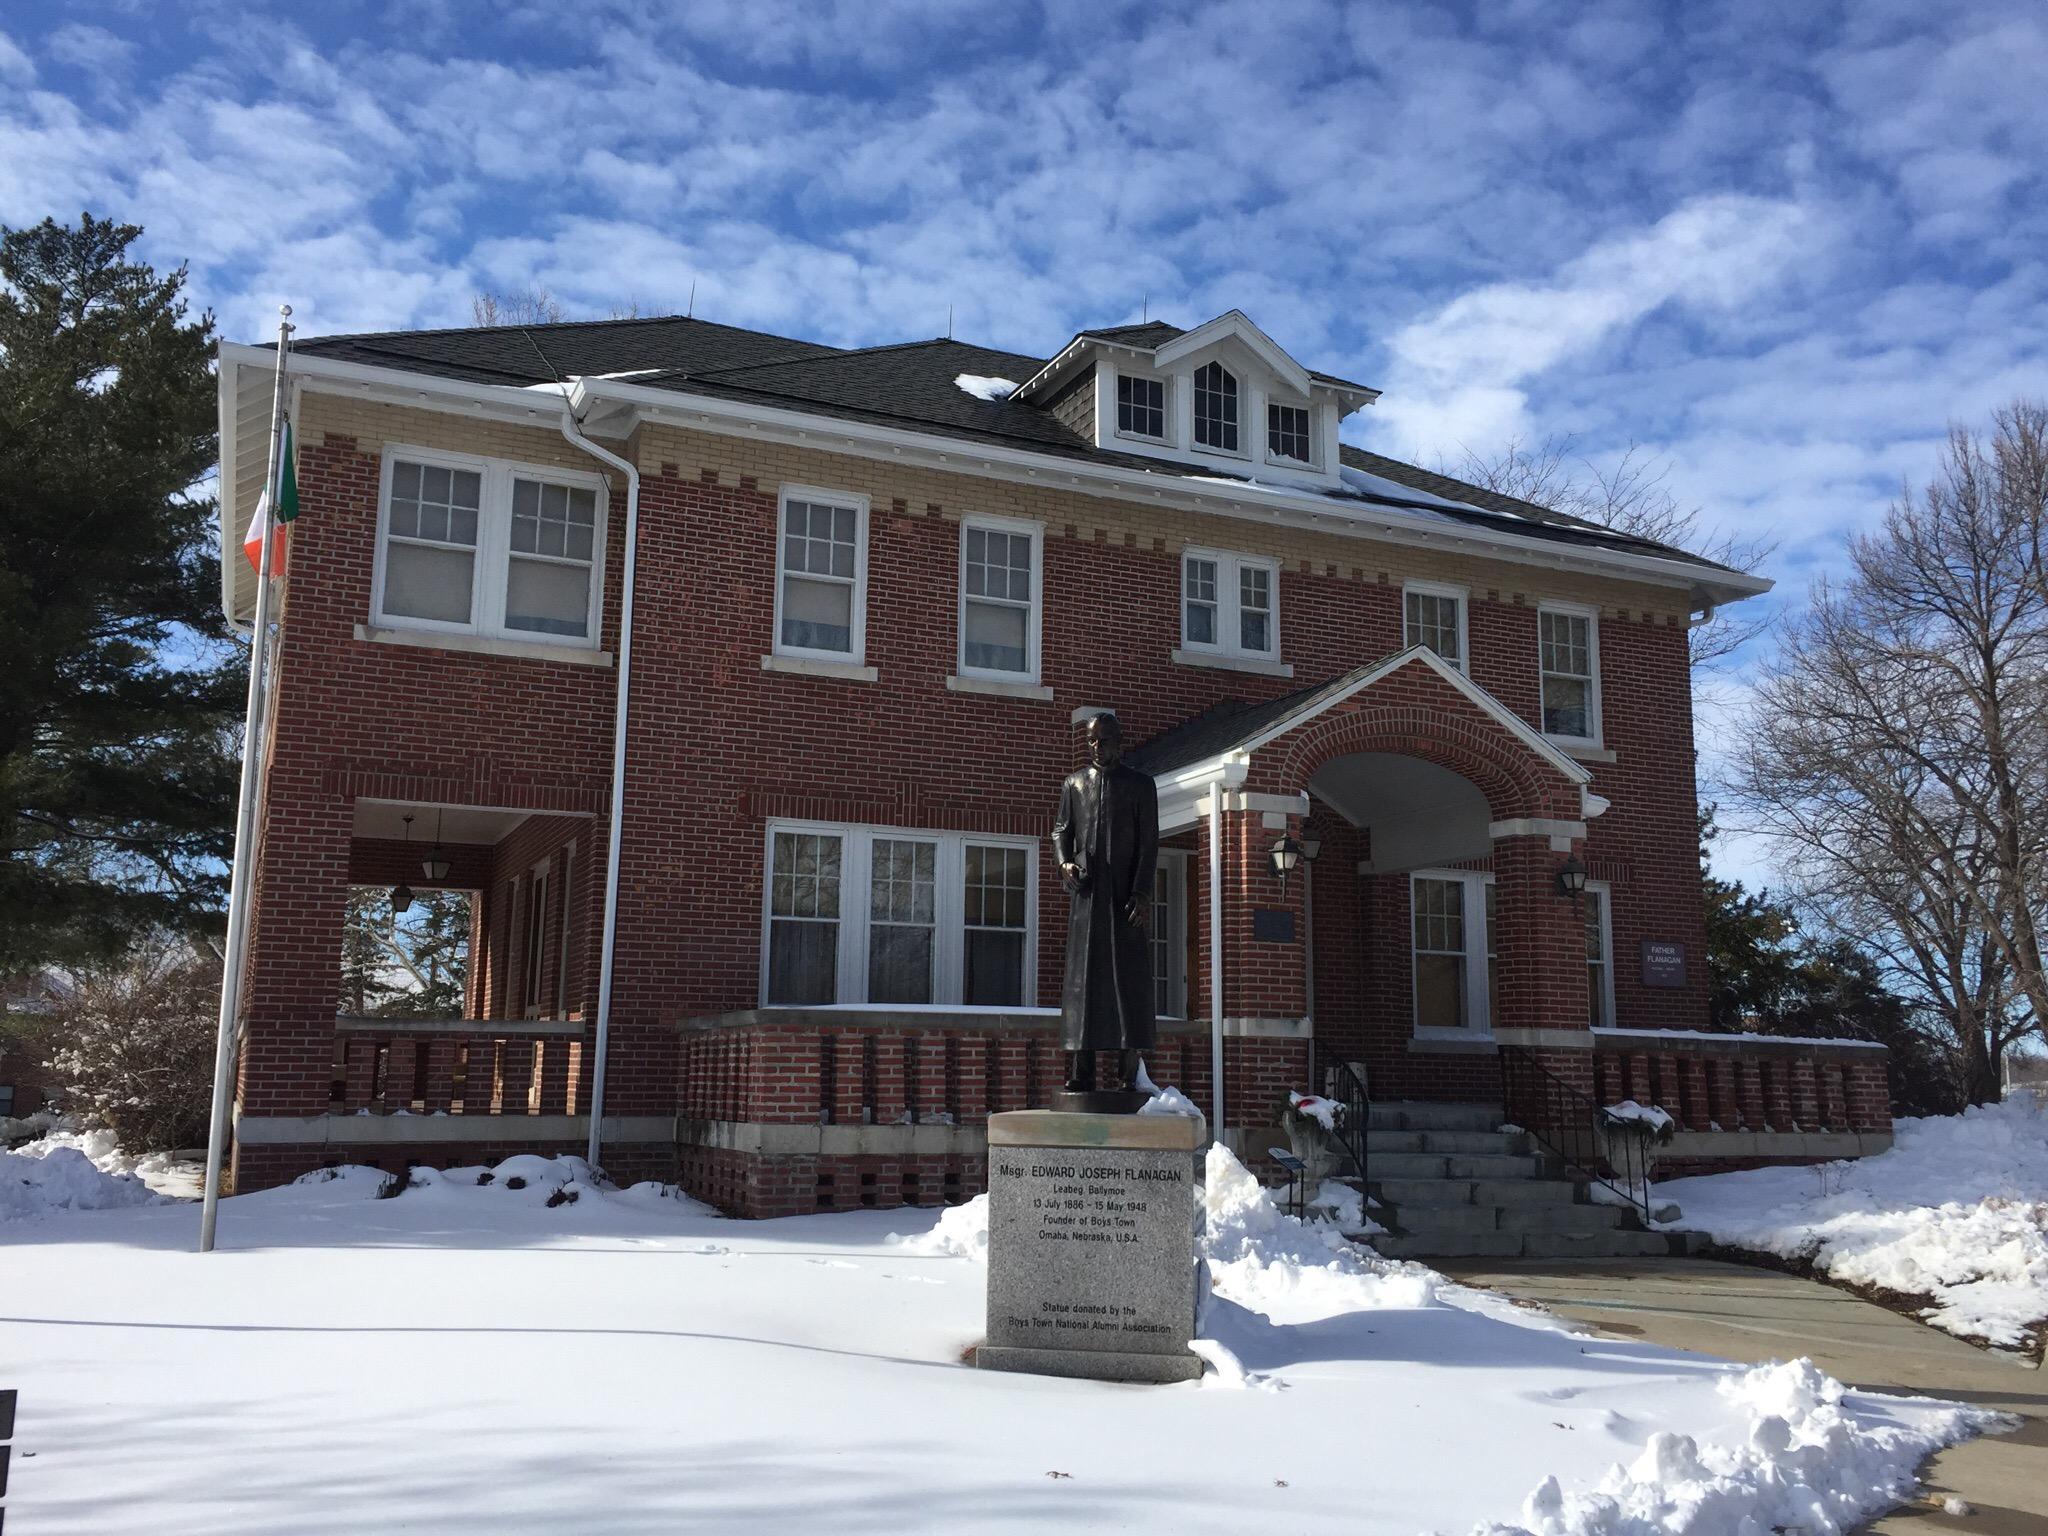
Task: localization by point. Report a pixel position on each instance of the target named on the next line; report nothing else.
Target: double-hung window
(821, 578)
(1216, 408)
(1141, 407)
(487, 547)
(1452, 927)
(1599, 914)
(1287, 434)
(999, 598)
(882, 915)
(1568, 648)
(1168, 937)
(536, 939)
(1434, 616)
(1230, 604)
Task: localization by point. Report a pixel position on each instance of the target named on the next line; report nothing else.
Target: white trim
(533, 946)
(1534, 826)
(1834, 1042)
(562, 957)
(1606, 894)
(492, 554)
(805, 666)
(1461, 595)
(1165, 381)
(1593, 738)
(1236, 323)
(1411, 527)
(482, 645)
(1170, 890)
(852, 501)
(949, 909)
(1034, 624)
(1229, 601)
(1221, 663)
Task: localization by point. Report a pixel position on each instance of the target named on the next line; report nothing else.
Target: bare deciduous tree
(1900, 743)
(532, 305)
(1633, 496)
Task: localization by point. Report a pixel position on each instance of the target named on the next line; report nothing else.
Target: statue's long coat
(1107, 1002)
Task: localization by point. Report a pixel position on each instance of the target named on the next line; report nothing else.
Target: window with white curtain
(1568, 645)
(488, 547)
(1230, 604)
(999, 598)
(885, 915)
(821, 580)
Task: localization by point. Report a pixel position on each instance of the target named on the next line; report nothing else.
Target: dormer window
(1140, 406)
(1287, 432)
(1216, 408)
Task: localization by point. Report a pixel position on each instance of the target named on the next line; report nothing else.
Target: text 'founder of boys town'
(1106, 842)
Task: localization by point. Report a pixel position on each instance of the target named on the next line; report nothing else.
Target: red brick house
(873, 594)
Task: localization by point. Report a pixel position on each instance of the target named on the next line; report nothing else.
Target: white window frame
(1462, 596)
(1243, 396)
(1591, 615)
(1165, 407)
(491, 568)
(949, 945)
(819, 496)
(562, 958)
(1034, 622)
(1170, 892)
(1478, 988)
(1229, 597)
(1606, 895)
(533, 945)
(1307, 407)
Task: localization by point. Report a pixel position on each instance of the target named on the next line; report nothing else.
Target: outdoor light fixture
(401, 895)
(1285, 856)
(435, 866)
(1571, 879)
(1311, 844)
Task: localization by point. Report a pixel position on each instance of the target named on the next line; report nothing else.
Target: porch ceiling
(1417, 813)
(448, 824)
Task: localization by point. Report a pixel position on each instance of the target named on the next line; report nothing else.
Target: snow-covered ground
(1956, 1211)
(68, 1169)
(501, 1357)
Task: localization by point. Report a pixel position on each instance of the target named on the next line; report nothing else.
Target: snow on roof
(984, 387)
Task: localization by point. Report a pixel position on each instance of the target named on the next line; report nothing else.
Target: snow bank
(527, 1179)
(55, 1174)
(983, 387)
(1628, 1112)
(1804, 1464)
(1956, 1211)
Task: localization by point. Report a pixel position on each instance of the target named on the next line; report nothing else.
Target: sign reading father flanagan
(1091, 1257)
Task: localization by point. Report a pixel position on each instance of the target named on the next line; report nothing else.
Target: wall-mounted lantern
(1285, 857)
(1571, 879)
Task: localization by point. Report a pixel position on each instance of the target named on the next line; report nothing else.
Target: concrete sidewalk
(1754, 1315)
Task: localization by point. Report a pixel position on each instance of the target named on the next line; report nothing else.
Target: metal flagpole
(245, 812)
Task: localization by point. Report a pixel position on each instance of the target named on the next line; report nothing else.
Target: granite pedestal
(1091, 1251)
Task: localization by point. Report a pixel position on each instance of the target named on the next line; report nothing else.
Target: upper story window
(1287, 434)
(1216, 408)
(885, 915)
(1434, 616)
(999, 598)
(821, 581)
(1140, 406)
(1568, 645)
(488, 547)
(1230, 604)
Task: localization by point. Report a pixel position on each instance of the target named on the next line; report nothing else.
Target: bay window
(487, 547)
(882, 915)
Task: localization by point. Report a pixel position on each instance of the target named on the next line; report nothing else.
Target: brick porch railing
(468, 1067)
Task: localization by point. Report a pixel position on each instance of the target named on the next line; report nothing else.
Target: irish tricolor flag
(287, 509)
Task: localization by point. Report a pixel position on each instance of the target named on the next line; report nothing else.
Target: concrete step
(1437, 1165)
(1399, 1115)
(1525, 1192)
(1596, 1245)
(1449, 1245)
(1559, 1220)
(1407, 1165)
(1414, 1220)
(1377, 1141)
(1421, 1191)
(1474, 1143)
(1497, 1166)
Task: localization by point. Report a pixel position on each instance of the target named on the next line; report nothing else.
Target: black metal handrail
(1573, 1127)
(1348, 1088)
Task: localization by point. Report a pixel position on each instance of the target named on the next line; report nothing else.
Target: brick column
(1540, 942)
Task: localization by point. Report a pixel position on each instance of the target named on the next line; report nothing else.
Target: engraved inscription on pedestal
(1091, 1246)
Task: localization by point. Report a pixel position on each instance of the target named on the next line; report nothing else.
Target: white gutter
(611, 868)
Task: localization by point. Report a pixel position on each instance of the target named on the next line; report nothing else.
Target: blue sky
(1781, 245)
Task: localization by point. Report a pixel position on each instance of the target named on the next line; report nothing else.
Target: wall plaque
(1273, 925)
(1663, 964)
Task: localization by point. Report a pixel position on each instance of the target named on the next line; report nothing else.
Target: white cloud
(91, 48)
(16, 67)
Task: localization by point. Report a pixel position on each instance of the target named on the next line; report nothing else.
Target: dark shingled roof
(1221, 727)
(911, 385)
(1157, 333)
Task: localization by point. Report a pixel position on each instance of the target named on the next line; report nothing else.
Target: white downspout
(1216, 962)
(611, 869)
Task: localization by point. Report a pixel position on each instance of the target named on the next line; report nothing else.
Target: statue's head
(1105, 740)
